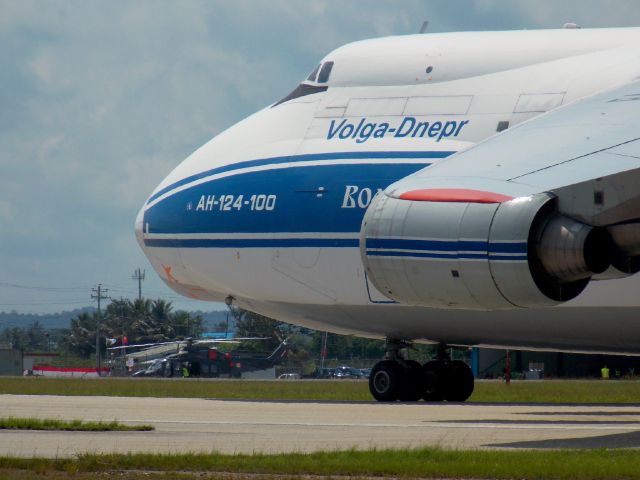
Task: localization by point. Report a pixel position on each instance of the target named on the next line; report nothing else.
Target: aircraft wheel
(434, 377)
(413, 383)
(385, 381)
(459, 382)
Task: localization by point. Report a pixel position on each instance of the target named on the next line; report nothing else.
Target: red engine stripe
(459, 195)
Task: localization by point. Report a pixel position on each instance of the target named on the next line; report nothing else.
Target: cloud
(102, 99)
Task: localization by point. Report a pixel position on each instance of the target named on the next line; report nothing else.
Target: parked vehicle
(324, 373)
(347, 372)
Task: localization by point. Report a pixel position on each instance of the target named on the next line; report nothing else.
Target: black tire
(385, 381)
(413, 383)
(459, 383)
(434, 377)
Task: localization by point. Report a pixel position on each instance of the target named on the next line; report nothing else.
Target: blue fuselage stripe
(252, 242)
(496, 252)
(307, 198)
(446, 255)
(300, 158)
(446, 249)
(472, 246)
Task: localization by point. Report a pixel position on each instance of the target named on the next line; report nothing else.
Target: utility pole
(139, 276)
(98, 294)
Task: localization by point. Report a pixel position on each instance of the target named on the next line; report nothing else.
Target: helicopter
(193, 358)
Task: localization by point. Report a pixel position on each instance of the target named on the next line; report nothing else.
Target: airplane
(458, 189)
(203, 358)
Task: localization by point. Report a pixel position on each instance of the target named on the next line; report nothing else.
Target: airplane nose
(139, 228)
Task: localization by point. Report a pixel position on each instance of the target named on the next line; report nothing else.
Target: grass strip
(145, 475)
(14, 423)
(424, 463)
(548, 391)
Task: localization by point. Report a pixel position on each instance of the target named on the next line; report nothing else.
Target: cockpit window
(323, 77)
(312, 75)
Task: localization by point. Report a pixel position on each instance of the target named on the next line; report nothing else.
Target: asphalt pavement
(206, 425)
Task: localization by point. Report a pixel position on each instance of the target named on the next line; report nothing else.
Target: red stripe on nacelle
(458, 195)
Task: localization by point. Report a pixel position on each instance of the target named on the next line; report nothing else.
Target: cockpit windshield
(312, 75)
(323, 77)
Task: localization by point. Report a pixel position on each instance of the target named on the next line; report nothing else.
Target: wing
(591, 145)
(525, 219)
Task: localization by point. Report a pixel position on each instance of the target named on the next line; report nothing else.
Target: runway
(203, 425)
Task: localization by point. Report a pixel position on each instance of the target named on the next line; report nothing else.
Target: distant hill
(47, 320)
(62, 319)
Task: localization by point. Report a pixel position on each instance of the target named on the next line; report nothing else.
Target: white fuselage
(269, 211)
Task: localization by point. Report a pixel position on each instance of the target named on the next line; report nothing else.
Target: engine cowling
(480, 254)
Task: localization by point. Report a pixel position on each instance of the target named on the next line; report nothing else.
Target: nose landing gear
(397, 378)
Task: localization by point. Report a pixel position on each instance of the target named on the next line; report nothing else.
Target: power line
(33, 287)
(33, 304)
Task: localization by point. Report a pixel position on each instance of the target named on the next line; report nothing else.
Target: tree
(140, 320)
(186, 325)
(36, 337)
(82, 335)
(33, 338)
(249, 324)
(16, 337)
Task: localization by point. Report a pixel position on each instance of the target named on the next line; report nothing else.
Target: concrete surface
(188, 425)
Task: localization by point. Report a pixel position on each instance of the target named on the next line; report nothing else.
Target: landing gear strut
(398, 378)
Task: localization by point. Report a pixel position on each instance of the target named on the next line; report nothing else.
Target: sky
(99, 100)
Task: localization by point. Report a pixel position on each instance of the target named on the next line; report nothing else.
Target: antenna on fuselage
(424, 26)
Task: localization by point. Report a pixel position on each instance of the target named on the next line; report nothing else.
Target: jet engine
(485, 251)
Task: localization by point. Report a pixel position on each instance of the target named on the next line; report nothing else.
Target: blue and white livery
(460, 189)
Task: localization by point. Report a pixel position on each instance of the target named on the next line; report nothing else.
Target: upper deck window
(312, 75)
(323, 77)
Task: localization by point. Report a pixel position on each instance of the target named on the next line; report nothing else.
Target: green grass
(188, 388)
(424, 462)
(559, 391)
(29, 475)
(548, 391)
(14, 423)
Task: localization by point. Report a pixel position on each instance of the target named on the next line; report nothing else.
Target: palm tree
(82, 335)
(141, 322)
(161, 317)
(117, 318)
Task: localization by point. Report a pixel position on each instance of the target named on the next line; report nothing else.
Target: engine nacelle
(479, 254)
